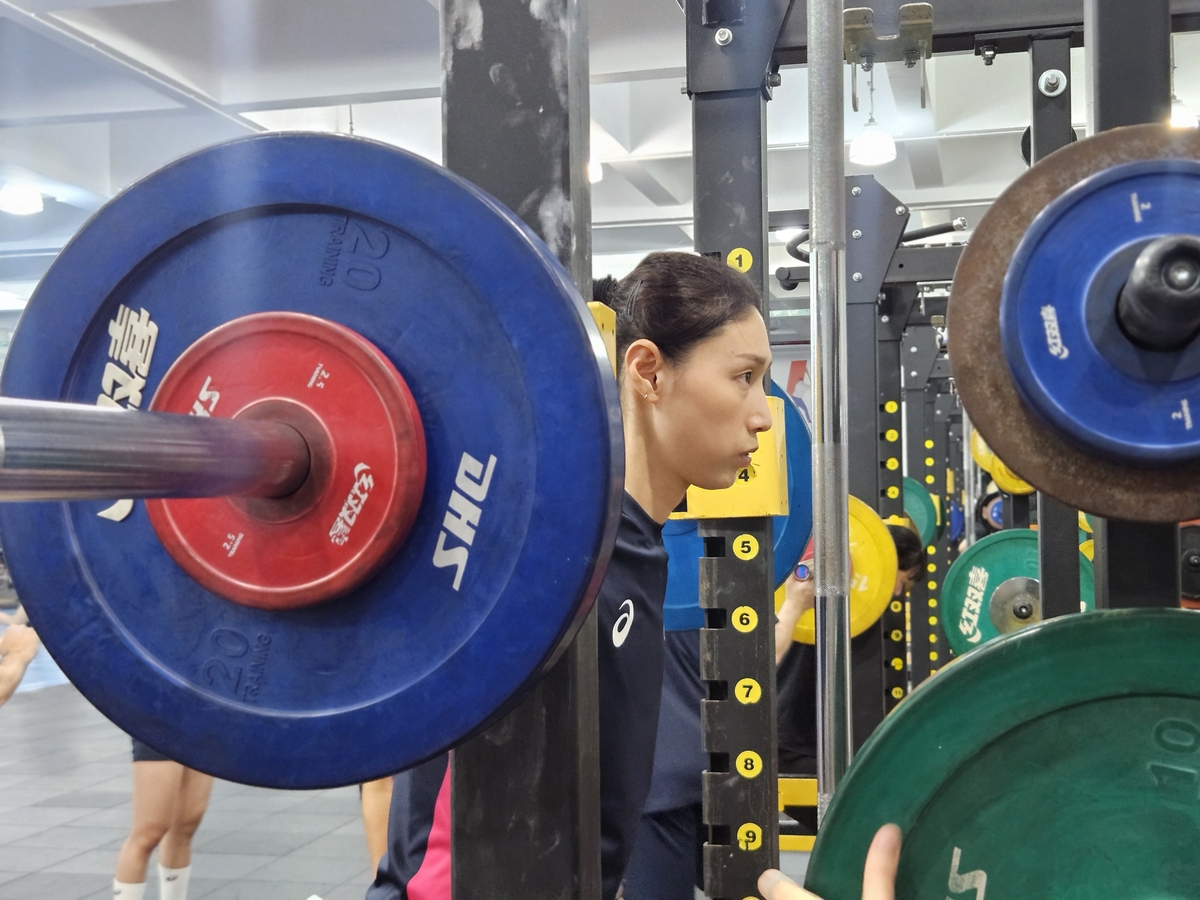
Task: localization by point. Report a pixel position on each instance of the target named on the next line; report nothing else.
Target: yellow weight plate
(1008, 480)
(981, 452)
(1088, 549)
(873, 574)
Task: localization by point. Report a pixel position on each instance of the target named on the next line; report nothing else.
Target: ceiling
(96, 94)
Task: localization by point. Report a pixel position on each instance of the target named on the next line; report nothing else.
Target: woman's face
(712, 405)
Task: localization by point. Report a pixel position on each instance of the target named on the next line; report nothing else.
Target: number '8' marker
(749, 764)
(748, 691)
(749, 836)
(745, 546)
(745, 619)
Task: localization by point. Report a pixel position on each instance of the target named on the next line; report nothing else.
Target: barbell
(374, 482)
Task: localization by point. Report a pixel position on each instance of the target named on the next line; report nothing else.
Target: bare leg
(155, 789)
(376, 801)
(194, 790)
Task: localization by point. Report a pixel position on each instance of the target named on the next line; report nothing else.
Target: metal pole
(971, 477)
(831, 517)
(68, 451)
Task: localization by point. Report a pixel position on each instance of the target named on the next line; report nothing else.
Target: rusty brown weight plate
(981, 373)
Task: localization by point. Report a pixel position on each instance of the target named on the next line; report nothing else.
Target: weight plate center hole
(320, 461)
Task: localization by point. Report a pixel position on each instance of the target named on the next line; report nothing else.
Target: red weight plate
(367, 468)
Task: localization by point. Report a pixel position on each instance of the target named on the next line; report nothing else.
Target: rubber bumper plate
(1062, 761)
(919, 508)
(992, 588)
(1035, 450)
(524, 462)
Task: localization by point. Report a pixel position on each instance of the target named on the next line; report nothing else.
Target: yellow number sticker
(745, 619)
(746, 475)
(749, 764)
(740, 258)
(749, 836)
(748, 691)
(745, 546)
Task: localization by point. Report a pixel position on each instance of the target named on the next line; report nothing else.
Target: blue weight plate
(1070, 360)
(504, 363)
(685, 547)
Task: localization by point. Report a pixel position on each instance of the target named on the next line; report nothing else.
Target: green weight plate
(1061, 762)
(992, 589)
(919, 508)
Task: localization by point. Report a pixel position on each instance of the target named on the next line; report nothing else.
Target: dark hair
(909, 552)
(676, 300)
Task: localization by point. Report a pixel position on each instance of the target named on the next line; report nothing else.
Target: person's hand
(879, 875)
(798, 598)
(799, 593)
(20, 640)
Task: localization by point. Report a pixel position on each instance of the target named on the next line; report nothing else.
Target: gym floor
(65, 779)
(65, 782)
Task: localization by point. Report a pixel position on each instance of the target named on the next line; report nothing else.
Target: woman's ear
(644, 363)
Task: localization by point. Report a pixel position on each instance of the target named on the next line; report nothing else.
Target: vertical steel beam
(970, 482)
(1058, 523)
(729, 137)
(1129, 53)
(728, 52)
(892, 630)
(1129, 58)
(875, 221)
(1050, 65)
(919, 352)
(737, 653)
(831, 517)
(525, 794)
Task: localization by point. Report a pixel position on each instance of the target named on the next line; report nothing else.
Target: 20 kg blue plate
(515, 395)
(684, 546)
(1070, 359)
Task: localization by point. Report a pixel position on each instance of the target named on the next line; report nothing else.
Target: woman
(692, 352)
(169, 801)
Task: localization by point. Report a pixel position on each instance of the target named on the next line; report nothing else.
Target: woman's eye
(746, 376)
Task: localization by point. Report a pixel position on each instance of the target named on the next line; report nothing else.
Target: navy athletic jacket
(630, 625)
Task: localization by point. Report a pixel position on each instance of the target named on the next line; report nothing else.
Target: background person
(18, 646)
(169, 801)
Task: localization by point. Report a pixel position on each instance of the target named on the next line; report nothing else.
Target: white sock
(173, 883)
(123, 891)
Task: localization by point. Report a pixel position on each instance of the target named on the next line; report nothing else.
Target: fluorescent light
(786, 234)
(1182, 115)
(595, 170)
(872, 146)
(20, 199)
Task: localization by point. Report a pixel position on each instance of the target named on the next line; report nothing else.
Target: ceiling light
(1182, 115)
(20, 199)
(872, 146)
(595, 170)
